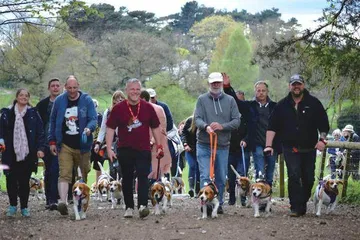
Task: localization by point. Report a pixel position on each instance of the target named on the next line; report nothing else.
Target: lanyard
(131, 112)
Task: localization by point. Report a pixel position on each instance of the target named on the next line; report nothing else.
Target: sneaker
(62, 208)
(191, 193)
(220, 210)
(47, 206)
(11, 212)
(143, 211)
(294, 214)
(25, 212)
(129, 213)
(231, 202)
(53, 207)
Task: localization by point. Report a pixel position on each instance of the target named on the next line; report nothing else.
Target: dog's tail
(103, 171)
(236, 173)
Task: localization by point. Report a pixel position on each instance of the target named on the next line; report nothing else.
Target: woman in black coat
(23, 142)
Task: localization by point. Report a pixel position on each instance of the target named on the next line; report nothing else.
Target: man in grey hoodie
(215, 112)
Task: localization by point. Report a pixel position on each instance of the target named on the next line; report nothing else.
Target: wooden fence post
(346, 174)
(322, 165)
(282, 182)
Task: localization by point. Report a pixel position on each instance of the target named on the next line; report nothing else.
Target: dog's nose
(201, 198)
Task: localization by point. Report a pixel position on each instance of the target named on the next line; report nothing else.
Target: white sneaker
(129, 213)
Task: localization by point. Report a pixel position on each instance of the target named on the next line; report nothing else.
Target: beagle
(161, 193)
(37, 187)
(116, 193)
(261, 194)
(242, 188)
(208, 200)
(326, 193)
(103, 184)
(81, 197)
(178, 185)
(93, 188)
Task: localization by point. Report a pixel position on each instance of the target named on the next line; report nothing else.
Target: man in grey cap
(215, 112)
(298, 120)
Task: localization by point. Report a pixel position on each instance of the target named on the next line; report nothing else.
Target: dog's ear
(340, 182)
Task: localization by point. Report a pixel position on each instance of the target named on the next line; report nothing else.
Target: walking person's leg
(221, 166)
(191, 160)
(24, 188)
(12, 189)
(127, 166)
(270, 168)
(203, 159)
(307, 176)
(259, 160)
(142, 166)
(233, 160)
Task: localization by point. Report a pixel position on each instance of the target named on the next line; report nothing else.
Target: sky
(305, 11)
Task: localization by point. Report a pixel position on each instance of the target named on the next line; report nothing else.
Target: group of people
(136, 133)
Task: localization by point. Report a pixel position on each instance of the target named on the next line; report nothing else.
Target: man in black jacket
(51, 162)
(298, 119)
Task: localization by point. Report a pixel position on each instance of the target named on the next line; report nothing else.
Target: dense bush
(350, 115)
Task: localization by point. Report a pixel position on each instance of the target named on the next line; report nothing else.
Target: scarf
(21, 146)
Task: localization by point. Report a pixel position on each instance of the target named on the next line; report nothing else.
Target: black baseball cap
(296, 78)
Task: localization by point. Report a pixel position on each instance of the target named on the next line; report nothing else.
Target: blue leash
(243, 158)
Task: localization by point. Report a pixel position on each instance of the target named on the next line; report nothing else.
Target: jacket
(187, 136)
(34, 132)
(87, 119)
(42, 109)
(222, 110)
(299, 127)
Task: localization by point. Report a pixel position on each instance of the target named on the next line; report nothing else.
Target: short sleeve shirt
(132, 134)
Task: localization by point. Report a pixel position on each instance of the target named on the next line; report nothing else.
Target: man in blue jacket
(72, 121)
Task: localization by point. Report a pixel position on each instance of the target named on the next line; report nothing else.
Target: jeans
(194, 174)
(221, 167)
(140, 161)
(301, 176)
(51, 177)
(236, 159)
(264, 164)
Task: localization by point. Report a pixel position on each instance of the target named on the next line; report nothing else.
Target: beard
(215, 90)
(297, 95)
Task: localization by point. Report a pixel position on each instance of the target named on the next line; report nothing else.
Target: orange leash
(213, 147)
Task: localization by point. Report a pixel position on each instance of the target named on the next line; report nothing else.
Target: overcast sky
(306, 11)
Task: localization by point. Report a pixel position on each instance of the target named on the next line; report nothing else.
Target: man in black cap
(298, 120)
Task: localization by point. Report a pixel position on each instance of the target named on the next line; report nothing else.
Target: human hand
(96, 147)
(209, 130)
(40, 154)
(268, 151)
(226, 79)
(159, 151)
(320, 146)
(187, 148)
(87, 131)
(111, 154)
(53, 150)
(216, 126)
(243, 144)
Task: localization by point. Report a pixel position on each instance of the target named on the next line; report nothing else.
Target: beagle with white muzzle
(326, 194)
(208, 200)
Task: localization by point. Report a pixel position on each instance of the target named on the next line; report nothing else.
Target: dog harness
(331, 193)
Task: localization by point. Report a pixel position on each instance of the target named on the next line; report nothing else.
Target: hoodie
(223, 110)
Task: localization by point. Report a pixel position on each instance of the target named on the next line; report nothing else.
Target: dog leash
(213, 148)
(243, 158)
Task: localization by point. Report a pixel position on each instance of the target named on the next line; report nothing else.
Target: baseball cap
(215, 77)
(151, 92)
(296, 78)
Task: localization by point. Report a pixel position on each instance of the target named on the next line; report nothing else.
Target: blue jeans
(221, 167)
(194, 174)
(51, 177)
(265, 164)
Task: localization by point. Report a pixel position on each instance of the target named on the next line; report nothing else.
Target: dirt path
(181, 222)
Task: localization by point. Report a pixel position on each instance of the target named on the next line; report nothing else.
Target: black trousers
(301, 176)
(17, 183)
(140, 161)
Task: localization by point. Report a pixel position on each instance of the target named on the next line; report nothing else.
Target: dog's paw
(257, 215)
(214, 215)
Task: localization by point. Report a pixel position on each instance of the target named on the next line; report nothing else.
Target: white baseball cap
(151, 92)
(215, 77)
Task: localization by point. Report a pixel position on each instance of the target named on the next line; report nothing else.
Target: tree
(331, 51)
(136, 54)
(236, 59)
(31, 54)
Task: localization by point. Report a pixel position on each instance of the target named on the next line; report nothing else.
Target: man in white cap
(353, 165)
(215, 112)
